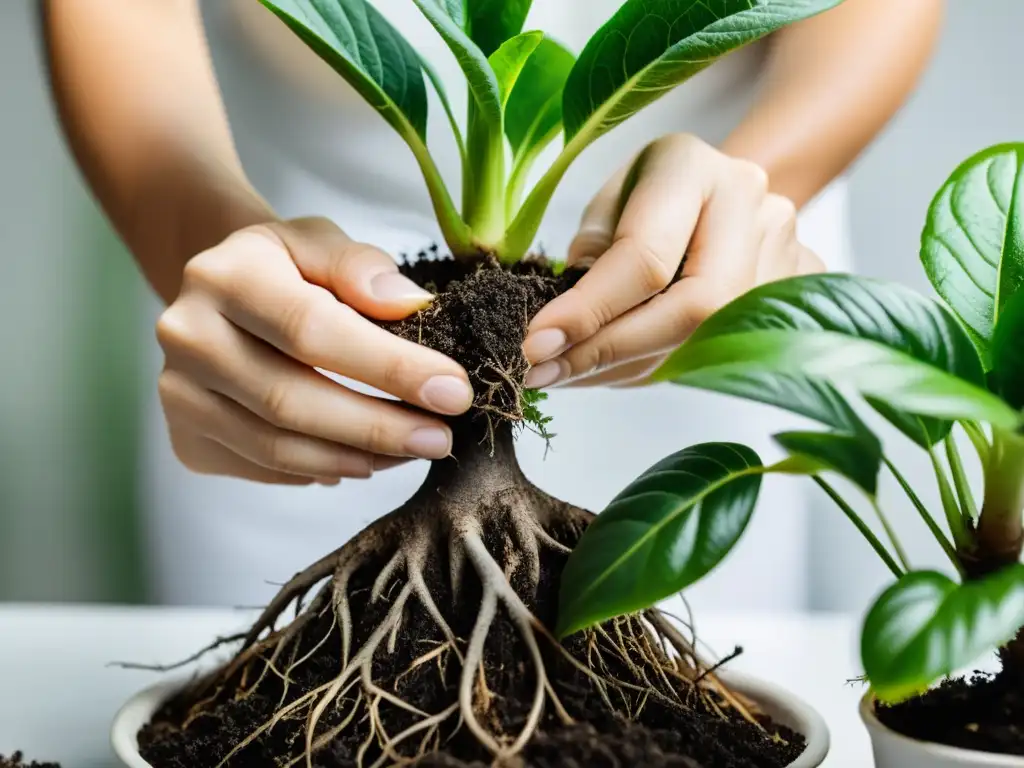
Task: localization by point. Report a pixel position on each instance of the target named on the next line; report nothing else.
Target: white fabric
(312, 147)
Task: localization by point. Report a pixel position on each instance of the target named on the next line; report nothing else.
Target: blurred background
(76, 346)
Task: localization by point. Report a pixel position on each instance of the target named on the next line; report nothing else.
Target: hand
(680, 196)
(255, 316)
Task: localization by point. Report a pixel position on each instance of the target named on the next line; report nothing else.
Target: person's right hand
(255, 316)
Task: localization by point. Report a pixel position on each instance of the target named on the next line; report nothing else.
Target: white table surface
(58, 693)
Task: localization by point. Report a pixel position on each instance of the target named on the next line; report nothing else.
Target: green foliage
(857, 457)
(533, 417)
(522, 102)
(1007, 377)
(926, 626)
(668, 529)
(972, 246)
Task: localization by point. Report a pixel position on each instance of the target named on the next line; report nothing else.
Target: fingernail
(543, 345)
(546, 374)
(447, 394)
(393, 286)
(381, 463)
(429, 443)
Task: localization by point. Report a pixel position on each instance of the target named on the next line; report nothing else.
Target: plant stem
(861, 526)
(978, 438)
(999, 537)
(968, 507)
(954, 518)
(901, 553)
(940, 537)
(483, 184)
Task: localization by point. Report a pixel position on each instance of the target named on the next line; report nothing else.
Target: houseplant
(823, 347)
(426, 637)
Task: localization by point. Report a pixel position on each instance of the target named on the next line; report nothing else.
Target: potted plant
(823, 347)
(427, 638)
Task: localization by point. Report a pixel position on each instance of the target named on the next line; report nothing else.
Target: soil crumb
(479, 319)
(983, 712)
(17, 761)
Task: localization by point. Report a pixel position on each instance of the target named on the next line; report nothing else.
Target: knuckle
(751, 175)
(379, 435)
(175, 330)
(298, 327)
(653, 271)
(398, 373)
(780, 213)
(279, 404)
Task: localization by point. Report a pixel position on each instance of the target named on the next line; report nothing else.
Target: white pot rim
(781, 705)
(932, 750)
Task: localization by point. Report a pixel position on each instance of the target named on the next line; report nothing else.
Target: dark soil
(16, 761)
(479, 319)
(984, 713)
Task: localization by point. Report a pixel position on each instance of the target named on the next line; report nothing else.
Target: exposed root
(627, 661)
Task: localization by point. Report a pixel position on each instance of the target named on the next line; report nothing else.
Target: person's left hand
(681, 196)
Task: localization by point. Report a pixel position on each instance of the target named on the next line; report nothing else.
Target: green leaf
(1008, 352)
(508, 61)
(534, 115)
(483, 85)
(927, 626)
(879, 339)
(644, 51)
(857, 457)
(972, 246)
(924, 431)
(492, 22)
(362, 47)
(665, 531)
(370, 54)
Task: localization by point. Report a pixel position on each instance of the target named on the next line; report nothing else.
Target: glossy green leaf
(492, 22)
(508, 61)
(371, 55)
(927, 626)
(857, 457)
(646, 49)
(534, 115)
(665, 531)
(1008, 352)
(878, 339)
(363, 47)
(483, 85)
(923, 430)
(972, 246)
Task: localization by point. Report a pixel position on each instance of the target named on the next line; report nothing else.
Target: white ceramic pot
(782, 706)
(894, 750)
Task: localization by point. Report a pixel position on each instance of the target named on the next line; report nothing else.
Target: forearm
(141, 110)
(832, 84)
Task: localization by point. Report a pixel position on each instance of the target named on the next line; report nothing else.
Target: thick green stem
(999, 536)
(861, 526)
(926, 516)
(978, 439)
(483, 182)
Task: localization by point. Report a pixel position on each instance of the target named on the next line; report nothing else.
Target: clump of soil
(983, 712)
(15, 761)
(426, 639)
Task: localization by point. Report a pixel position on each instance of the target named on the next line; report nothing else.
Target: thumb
(360, 275)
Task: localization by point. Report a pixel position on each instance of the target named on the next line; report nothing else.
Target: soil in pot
(984, 713)
(424, 640)
(17, 761)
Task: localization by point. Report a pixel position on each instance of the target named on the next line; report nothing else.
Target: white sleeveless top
(312, 147)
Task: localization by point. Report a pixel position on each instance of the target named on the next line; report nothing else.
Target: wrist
(185, 214)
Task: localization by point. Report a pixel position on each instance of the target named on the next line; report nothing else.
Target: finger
(778, 254)
(597, 225)
(808, 262)
(655, 327)
(290, 395)
(631, 374)
(364, 277)
(208, 457)
(214, 416)
(650, 239)
(263, 294)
